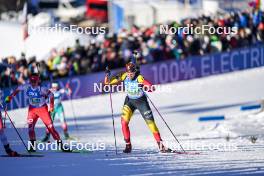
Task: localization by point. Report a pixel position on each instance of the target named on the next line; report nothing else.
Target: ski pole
(135, 60)
(73, 112)
(3, 118)
(9, 86)
(4, 124)
(165, 122)
(112, 111)
(16, 130)
(74, 115)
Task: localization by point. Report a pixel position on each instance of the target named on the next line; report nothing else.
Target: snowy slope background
(215, 95)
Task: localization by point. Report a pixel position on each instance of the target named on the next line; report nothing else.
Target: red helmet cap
(130, 67)
(34, 78)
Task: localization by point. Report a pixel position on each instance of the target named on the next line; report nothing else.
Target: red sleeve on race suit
(150, 87)
(9, 98)
(51, 96)
(18, 89)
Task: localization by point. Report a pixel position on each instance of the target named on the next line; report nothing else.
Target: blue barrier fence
(167, 71)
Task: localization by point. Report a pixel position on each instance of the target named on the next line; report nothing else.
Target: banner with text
(164, 72)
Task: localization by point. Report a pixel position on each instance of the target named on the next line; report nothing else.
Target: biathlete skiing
(38, 108)
(136, 99)
(58, 112)
(3, 137)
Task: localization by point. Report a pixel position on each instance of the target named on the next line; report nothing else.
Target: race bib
(35, 100)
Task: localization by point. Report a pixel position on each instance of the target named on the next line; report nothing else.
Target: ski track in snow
(215, 95)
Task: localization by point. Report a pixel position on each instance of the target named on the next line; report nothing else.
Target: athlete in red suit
(37, 95)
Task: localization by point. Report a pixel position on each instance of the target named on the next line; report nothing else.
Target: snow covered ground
(225, 146)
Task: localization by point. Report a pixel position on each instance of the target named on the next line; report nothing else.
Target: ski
(71, 151)
(190, 152)
(82, 151)
(180, 152)
(23, 155)
(72, 138)
(76, 151)
(43, 142)
(185, 153)
(68, 140)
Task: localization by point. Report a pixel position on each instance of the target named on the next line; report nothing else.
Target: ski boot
(128, 148)
(163, 149)
(66, 136)
(46, 138)
(32, 146)
(63, 147)
(10, 152)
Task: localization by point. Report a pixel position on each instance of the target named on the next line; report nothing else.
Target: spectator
(116, 50)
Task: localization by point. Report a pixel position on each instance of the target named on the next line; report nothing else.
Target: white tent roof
(38, 44)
